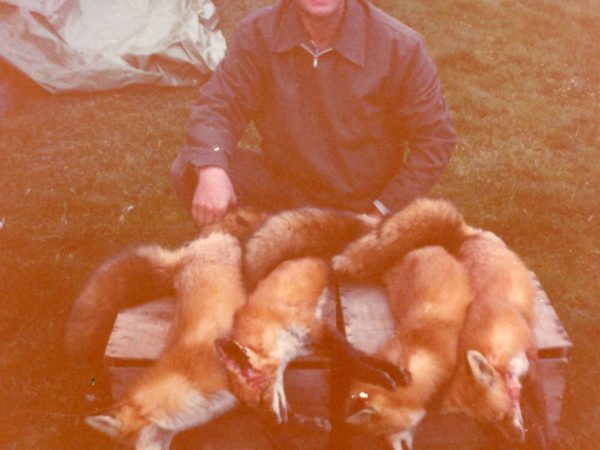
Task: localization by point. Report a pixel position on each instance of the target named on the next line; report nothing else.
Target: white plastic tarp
(87, 45)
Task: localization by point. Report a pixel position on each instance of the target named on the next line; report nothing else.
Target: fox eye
(361, 396)
(359, 401)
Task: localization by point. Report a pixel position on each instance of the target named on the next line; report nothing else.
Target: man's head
(321, 9)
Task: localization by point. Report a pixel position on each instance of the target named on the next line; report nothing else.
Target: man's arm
(216, 122)
(421, 111)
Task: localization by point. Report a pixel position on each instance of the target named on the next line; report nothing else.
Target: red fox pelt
(187, 386)
(282, 320)
(497, 342)
(428, 292)
(278, 323)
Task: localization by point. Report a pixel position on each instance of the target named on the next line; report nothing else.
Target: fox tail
(131, 277)
(307, 231)
(423, 222)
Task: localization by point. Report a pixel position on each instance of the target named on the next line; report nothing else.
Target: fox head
(383, 414)
(489, 394)
(256, 380)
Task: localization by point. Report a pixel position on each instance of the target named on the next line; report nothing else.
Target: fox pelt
(133, 276)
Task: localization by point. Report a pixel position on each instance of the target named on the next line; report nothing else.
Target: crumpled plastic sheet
(90, 45)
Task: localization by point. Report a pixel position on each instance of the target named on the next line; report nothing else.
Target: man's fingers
(207, 215)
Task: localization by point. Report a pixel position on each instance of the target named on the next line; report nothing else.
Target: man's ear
(105, 424)
(236, 359)
(481, 368)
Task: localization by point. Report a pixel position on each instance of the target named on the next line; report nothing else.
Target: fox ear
(481, 368)
(233, 355)
(236, 359)
(105, 424)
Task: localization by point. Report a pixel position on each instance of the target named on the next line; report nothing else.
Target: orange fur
(499, 326)
(429, 292)
(187, 386)
(301, 232)
(423, 222)
(277, 324)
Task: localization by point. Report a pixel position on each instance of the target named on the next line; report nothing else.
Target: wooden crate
(368, 323)
(140, 333)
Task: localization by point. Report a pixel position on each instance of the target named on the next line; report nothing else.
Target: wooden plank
(367, 318)
(553, 375)
(551, 336)
(140, 333)
(307, 391)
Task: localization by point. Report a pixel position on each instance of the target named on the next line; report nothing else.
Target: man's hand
(213, 195)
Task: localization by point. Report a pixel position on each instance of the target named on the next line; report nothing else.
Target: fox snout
(513, 429)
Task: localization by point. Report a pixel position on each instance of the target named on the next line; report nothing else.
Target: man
(337, 90)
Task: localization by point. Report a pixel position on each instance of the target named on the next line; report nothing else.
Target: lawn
(83, 175)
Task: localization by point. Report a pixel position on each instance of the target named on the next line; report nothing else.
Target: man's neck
(321, 30)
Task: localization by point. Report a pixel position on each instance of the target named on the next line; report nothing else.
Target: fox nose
(513, 429)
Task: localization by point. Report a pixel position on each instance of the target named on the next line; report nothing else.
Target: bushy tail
(133, 276)
(423, 222)
(291, 234)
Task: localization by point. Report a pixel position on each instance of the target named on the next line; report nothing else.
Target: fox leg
(360, 365)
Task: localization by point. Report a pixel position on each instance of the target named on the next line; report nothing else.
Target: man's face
(320, 9)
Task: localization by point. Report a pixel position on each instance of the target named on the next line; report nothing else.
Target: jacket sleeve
(424, 121)
(223, 110)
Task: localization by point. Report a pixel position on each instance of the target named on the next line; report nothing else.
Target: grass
(82, 176)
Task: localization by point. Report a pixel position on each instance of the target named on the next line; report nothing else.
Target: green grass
(82, 176)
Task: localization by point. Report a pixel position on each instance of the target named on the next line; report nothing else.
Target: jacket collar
(288, 31)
